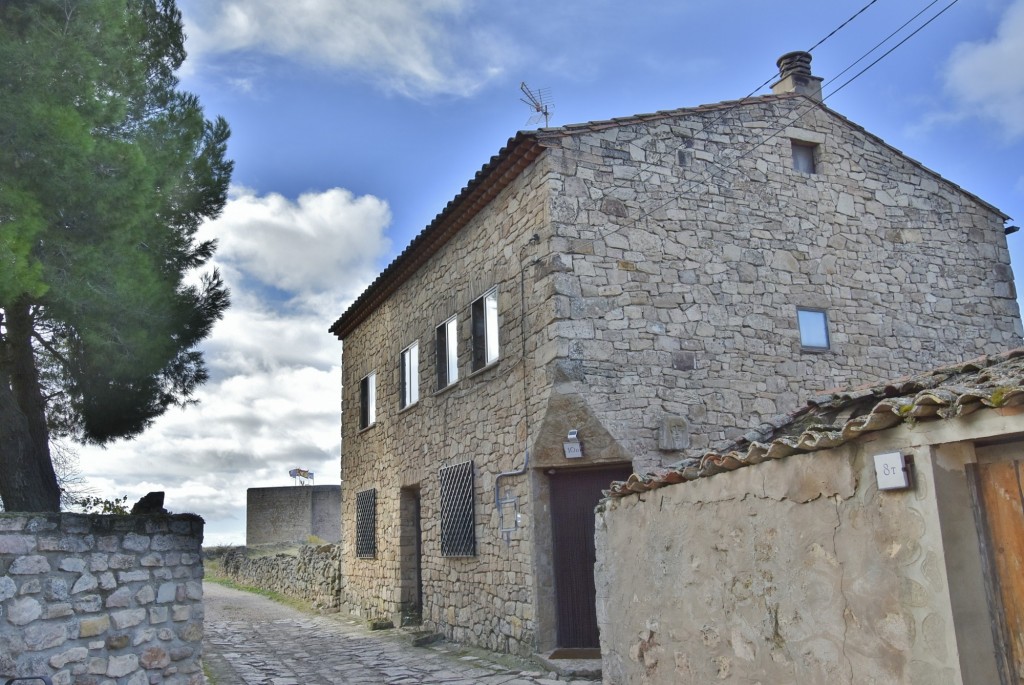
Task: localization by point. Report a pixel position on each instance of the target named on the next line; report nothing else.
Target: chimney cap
(797, 63)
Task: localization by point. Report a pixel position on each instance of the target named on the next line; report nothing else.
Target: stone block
(155, 657)
(29, 565)
(135, 543)
(145, 595)
(158, 615)
(127, 618)
(23, 611)
(8, 588)
(181, 612)
(90, 627)
(85, 583)
(73, 655)
(120, 666)
(120, 598)
(17, 544)
(166, 593)
(88, 604)
(41, 636)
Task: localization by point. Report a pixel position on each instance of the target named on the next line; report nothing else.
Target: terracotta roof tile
(838, 417)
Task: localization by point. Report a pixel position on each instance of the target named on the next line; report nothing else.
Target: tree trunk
(27, 479)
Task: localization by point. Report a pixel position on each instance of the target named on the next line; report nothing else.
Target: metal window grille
(458, 534)
(366, 523)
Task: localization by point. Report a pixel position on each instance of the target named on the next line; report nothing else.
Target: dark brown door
(999, 504)
(574, 494)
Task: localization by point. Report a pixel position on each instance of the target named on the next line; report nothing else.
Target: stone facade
(313, 574)
(90, 600)
(648, 273)
(801, 569)
(293, 514)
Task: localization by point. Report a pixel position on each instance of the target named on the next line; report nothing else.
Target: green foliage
(98, 505)
(106, 172)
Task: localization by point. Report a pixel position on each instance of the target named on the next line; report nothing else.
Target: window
(813, 328)
(410, 381)
(458, 537)
(803, 156)
(485, 330)
(447, 353)
(366, 523)
(368, 400)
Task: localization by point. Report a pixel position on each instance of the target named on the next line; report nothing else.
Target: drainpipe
(507, 528)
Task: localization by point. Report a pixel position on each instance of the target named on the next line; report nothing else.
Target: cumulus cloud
(273, 401)
(302, 245)
(412, 47)
(985, 77)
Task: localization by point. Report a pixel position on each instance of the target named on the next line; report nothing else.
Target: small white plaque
(573, 450)
(891, 471)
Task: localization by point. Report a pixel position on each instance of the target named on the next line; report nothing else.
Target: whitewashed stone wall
(111, 600)
(313, 574)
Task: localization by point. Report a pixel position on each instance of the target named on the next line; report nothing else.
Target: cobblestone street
(251, 640)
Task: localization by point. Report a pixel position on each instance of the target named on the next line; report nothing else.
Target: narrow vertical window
(410, 370)
(458, 534)
(485, 330)
(366, 524)
(813, 325)
(368, 400)
(447, 353)
(803, 156)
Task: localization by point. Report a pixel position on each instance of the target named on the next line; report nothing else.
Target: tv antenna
(539, 101)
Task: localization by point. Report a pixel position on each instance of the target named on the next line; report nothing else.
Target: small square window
(447, 353)
(368, 400)
(804, 155)
(366, 524)
(485, 330)
(813, 328)
(410, 379)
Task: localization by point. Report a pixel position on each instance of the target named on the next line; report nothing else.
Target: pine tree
(106, 171)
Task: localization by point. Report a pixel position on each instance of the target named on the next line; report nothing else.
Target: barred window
(447, 353)
(366, 523)
(410, 381)
(458, 535)
(485, 330)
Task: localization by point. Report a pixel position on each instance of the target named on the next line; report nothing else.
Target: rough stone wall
(314, 574)
(486, 599)
(790, 571)
(685, 253)
(293, 514)
(90, 599)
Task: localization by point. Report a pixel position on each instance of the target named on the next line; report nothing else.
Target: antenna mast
(539, 101)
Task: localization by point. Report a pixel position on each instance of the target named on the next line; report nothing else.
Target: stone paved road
(251, 640)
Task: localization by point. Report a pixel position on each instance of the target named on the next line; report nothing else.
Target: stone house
(875, 537)
(601, 297)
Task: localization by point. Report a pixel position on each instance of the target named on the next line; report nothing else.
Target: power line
(774, 133)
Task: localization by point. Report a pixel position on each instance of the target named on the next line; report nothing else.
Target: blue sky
(355, 121)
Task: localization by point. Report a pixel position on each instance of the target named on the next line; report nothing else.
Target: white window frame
(409, 368)
(368, 400)
(447, 347)
(485, 329)
(813, 326)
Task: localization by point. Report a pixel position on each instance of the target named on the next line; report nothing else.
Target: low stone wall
(313, 575)
(111, 600)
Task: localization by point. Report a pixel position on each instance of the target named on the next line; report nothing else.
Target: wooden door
(999, 507)
(574, 495)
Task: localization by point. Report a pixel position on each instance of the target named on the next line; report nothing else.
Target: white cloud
(273, 401)
(307, 245)
(986, 78)
(412, 47)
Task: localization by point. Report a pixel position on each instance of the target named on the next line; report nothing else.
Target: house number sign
(891, 471)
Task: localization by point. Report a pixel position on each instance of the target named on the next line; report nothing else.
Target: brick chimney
(795, 76)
